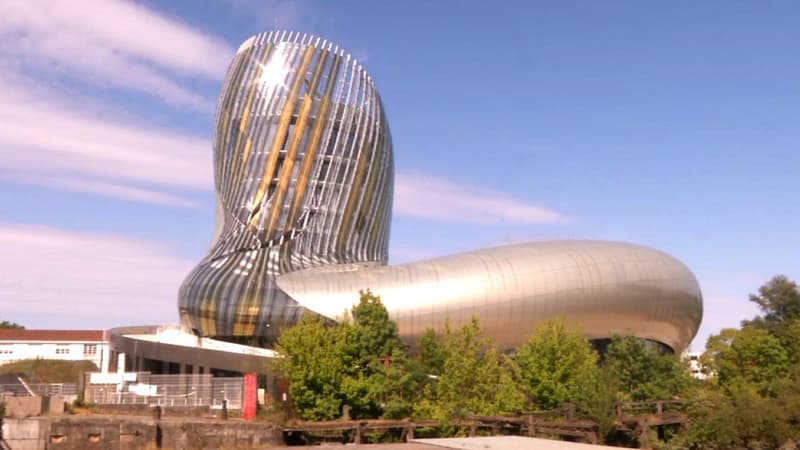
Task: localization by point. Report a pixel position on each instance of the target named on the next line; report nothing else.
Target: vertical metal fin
(280, 135)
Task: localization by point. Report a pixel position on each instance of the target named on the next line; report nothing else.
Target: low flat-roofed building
(69, 345)
(170, 349)
(696, 366)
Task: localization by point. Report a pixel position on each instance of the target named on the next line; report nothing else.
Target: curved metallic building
(603, 287)
(304, 178)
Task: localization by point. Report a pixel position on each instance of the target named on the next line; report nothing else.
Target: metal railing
(14, 390)
(44, 389)
(41, 389)
(167, 390)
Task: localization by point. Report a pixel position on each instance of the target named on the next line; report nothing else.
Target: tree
(755, 401)
(713, 423)
(741, 419)
(779, 301)
(373, 332)
(558, 365)
(430, 354)
(359, 362)
(715, 345)
(641, 372)
(474, 379)
(377, 374)
(311, 359)
(6, 325)
(790, 340)
(749, 356)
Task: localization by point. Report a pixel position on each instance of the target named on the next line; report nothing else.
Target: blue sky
(672, 125)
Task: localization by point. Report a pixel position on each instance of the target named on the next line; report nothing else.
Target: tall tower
(304, 174)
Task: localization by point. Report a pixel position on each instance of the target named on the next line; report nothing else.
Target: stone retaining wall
(25, 434)
(147, 410)
(21, 407)
(137, 433)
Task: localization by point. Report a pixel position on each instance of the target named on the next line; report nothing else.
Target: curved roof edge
(603, 287)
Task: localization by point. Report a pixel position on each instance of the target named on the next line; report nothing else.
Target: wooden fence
(631, 417)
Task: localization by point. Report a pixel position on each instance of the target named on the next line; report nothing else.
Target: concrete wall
(147, 410)
(25, 434)
(226, 435)
(19, 407)
(132, 433)
(101, 433)
(54, 404)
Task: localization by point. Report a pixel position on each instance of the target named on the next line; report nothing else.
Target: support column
(121, 362)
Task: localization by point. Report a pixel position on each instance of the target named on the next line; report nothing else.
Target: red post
(249, 394)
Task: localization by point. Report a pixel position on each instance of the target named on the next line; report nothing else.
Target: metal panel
(658, 298)
(294, 114)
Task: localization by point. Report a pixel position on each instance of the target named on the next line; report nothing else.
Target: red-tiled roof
(51, 335)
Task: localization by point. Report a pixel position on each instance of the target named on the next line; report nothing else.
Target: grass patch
(49, 370)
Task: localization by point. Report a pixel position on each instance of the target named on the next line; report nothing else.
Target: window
(89, 349)
(62, 351)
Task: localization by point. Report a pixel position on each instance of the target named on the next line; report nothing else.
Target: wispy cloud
(429, 197)
(105, 189)
(111, 42)
(53, 134)
(55, 138)
(43, 140)
(50, 277)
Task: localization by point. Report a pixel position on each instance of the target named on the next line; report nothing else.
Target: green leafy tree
(6, 325)
(430, 353)
(475, 378)
(715, 345)
(713, 423)
(359, 362)
(558, 366)
(376, 334)
(754, 401)
(749, 356)
(426, 368)
(779, 301)
(790, 340)
(741, 419)
(378, 375)
(312, 360)
(641, 372)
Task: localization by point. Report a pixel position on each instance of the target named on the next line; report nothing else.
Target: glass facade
(304, 175)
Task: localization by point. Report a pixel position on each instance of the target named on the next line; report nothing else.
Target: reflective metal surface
(603, 287)
(304, 178)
